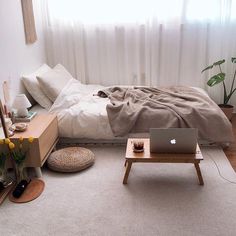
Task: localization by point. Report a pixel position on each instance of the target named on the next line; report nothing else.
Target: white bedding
(81, 114)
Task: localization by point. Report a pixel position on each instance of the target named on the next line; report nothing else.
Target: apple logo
(173, 141)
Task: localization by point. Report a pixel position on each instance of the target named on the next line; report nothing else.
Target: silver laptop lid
(173, 140)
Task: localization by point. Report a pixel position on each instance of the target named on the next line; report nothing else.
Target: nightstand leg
(38, 172)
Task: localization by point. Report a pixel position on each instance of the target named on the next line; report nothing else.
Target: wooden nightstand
(45, 131)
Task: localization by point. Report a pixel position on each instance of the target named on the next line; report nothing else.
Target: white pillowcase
(33, 87)
(53, 81)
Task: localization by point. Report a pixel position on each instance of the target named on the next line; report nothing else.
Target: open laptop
(173, 140)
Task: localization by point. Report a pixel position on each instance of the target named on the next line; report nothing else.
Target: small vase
(20, 172)
(4, 174)
(3, 167)
(5, 177)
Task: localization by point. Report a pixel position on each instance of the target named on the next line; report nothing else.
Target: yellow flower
(11, 145)
(20, 146)
(21, 139)
(7, 141)
(1, 141)
(31, 139)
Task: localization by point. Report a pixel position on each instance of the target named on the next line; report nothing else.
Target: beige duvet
(137, 109)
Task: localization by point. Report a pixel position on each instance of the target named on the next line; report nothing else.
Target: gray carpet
(160, 199)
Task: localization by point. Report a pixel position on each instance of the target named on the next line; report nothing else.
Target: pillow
(53, 81)
(34, 89)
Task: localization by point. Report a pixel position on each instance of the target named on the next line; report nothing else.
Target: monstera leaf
(207, 68)
(216, 79)
(219, 62)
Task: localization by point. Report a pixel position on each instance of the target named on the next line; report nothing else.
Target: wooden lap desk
(148, 157)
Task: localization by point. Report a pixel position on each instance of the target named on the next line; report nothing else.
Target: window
(130, 11)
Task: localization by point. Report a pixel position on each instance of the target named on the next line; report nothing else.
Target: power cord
(218, 169)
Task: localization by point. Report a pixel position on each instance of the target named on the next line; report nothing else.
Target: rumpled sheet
(80, 114)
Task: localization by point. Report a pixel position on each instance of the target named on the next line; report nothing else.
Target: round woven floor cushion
(71, 159)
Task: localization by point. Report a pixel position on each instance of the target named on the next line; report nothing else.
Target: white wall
(17, 58)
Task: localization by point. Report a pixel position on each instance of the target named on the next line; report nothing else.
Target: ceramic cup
(8, 123)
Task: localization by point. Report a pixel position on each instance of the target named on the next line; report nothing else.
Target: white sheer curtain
(146, 42)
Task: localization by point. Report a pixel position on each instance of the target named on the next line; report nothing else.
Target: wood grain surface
(32, 191)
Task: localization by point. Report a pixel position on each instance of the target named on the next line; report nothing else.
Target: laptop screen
(173, 140)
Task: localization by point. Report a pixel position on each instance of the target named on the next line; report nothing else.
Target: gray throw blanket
(134, 110)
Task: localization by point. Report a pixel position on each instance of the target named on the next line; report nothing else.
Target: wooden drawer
(44, 128)
(42, 146)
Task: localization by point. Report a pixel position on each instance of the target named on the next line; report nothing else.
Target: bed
(82, 116)
(85, 114)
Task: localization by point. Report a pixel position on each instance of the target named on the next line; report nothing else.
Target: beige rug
(160, 199)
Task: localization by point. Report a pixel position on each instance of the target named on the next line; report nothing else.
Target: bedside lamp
(21, 103)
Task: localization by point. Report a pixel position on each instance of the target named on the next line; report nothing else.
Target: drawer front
(47, 139)
(32, 158)
(42, 145)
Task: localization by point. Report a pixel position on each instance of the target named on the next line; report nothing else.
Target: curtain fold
(169, 44)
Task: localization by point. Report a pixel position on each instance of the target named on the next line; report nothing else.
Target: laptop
(173, 140)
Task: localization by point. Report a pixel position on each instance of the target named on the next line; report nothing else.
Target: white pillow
(32, 85)
(53, 81)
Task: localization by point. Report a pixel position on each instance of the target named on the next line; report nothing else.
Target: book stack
(28, 118)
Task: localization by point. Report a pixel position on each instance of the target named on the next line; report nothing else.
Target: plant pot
(228, 110)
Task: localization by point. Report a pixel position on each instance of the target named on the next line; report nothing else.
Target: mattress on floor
(82, 116)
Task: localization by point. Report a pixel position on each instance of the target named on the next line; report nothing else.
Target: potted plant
(17, 149)
(220, 78)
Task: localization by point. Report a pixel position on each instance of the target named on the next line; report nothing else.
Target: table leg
(128, 167)
(125, 163)
(199, 174)
(38, 172)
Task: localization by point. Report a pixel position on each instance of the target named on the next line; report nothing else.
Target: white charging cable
(218, 169)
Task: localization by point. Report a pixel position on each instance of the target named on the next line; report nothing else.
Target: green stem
(233, 82)
(225, 92)
(229, 96)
